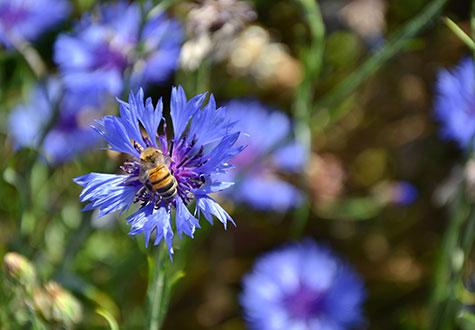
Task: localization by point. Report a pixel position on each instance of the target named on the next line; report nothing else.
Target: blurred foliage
(385, 133)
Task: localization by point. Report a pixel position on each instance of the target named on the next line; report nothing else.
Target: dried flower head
(212, 26)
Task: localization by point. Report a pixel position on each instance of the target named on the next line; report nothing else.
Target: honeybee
(155, 174)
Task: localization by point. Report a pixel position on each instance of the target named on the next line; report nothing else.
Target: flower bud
(19, 269)
(57, 305)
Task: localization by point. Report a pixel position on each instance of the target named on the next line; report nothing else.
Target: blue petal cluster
(302, 286)
(104, 46)
(269, 151)
(202, 143)
(455, 103)
(27, 19)
(68, 119)
(403, 193)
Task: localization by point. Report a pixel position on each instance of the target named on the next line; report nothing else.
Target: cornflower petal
(182, 110)
(455, 103)
(106, 192)
(109, 43)
(26, 19)
(223, 152)
(209, 207)
(185, 221)
(151, 118)
(210, 124)
(114, 132)
(64, 115)
(267, 192)
(270, 150)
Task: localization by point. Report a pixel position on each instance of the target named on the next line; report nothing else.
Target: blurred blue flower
(27, 19)
(455, 103)
(403, 193)
(269, 150)
(94, 58)
(203, 142)
(302, 286)
(68, 134)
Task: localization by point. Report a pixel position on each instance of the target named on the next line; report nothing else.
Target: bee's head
(151, 156)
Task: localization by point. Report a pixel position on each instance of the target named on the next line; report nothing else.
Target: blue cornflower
(69, 133)
(269, 150)
(302, 286)
(94, 58)
(403, 193)
(455, 103)
(178, 169)
(27, 19)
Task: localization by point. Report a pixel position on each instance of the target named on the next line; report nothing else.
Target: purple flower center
(304, 303)
(108, 57)
(10, 15)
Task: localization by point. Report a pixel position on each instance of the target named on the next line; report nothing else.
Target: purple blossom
(104, 46)
(27, 19)
(69, 133)
(198, 151)
(302, 286)
(403, 193)
(455, 103)
(270, 151)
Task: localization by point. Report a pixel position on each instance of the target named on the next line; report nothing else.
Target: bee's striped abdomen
(162, 181)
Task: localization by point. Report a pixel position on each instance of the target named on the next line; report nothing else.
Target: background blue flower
(455, 103)
(302, 286)
(93, 58)
(27, 19)
(203, 141)
(270, 151)
(69, 133)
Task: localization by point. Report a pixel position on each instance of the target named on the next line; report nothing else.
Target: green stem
(31, 56)
(458, 241)
(465, 38)
(393, 46)
(472, 25)
(158, 292)
(312, 59)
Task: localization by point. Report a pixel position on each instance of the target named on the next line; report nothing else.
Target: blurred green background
(385, 133)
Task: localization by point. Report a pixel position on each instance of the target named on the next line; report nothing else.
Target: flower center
(10, 15)
(304, 303)
(108, 57)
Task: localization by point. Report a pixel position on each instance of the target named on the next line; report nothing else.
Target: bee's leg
(140, 196)
(157, 203)
(132, 179)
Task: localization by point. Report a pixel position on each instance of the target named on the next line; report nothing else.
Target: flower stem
(312, 58)
(465, 38)
(159, 288)
(458, 241)
(472, 25)
(31, 56)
